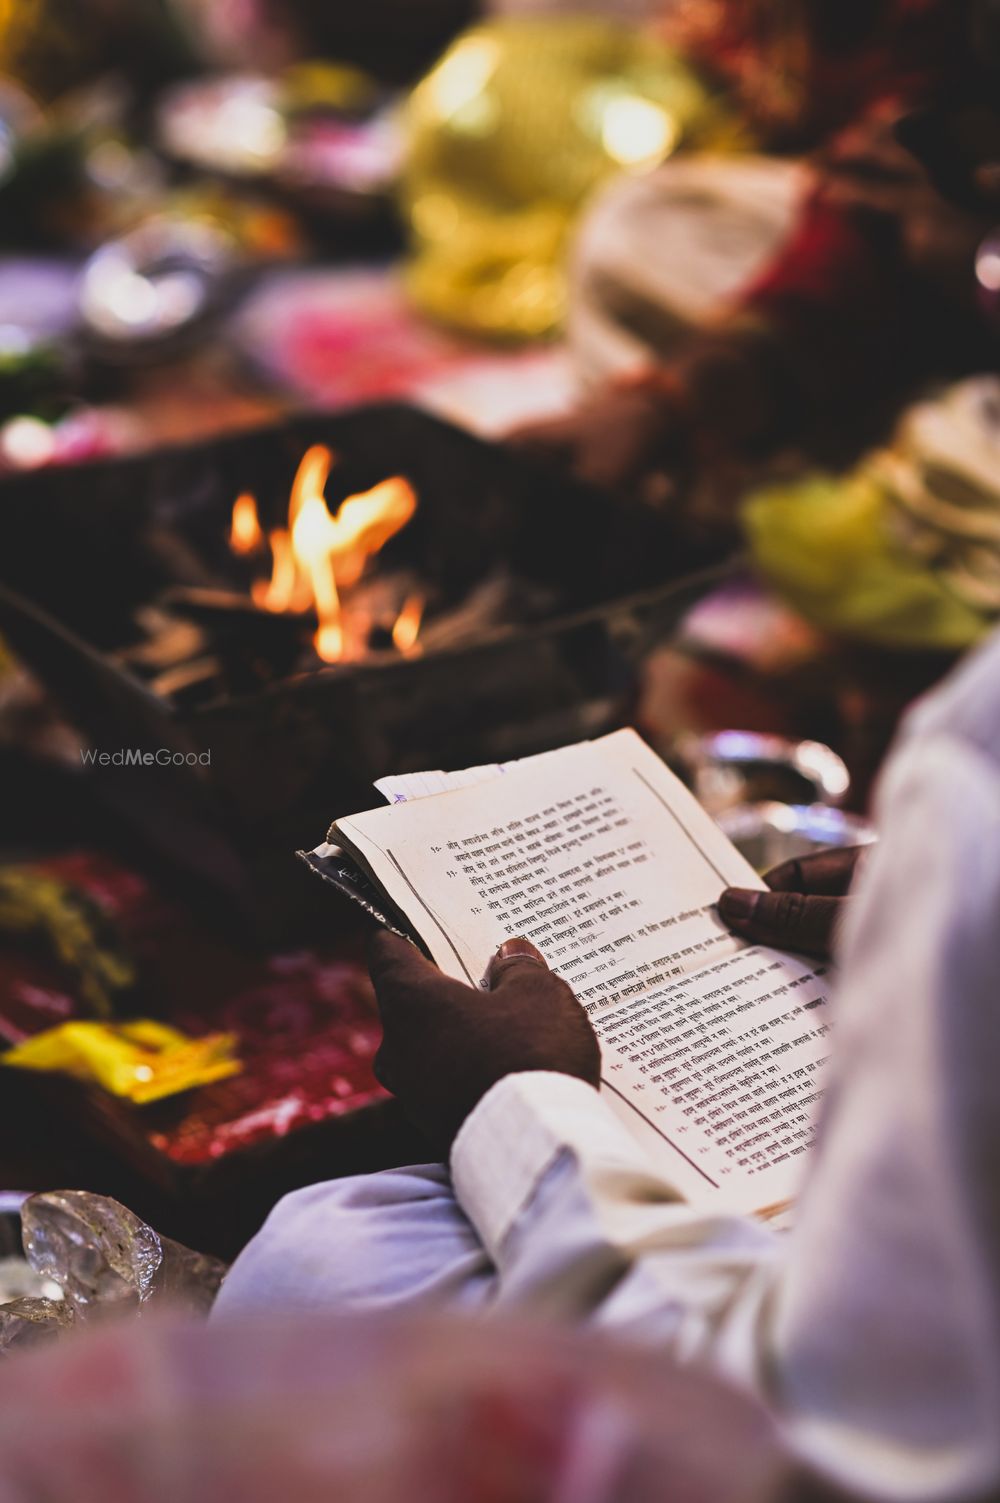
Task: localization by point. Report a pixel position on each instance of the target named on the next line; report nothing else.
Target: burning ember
(319, 557)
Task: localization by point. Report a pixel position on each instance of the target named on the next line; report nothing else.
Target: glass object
(105, 1258)
(29, 1322)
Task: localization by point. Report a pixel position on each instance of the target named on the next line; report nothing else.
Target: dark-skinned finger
(511, 956)
(826, 874)
(395, 965)
(786, 920)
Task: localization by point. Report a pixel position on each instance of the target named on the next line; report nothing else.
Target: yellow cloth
(905, 550)
(506, 137)
(141, 1060)
(824, 545)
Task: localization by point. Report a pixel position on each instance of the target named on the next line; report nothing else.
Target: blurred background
(211, 210)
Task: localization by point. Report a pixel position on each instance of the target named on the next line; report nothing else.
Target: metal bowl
(769, 833)
(731, 768)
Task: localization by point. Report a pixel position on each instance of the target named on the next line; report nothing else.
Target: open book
(597, 853)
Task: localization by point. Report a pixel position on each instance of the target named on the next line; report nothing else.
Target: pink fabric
(371, 1411)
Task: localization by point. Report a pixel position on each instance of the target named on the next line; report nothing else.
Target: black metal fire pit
(84, 548)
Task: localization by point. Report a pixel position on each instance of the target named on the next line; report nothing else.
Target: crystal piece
(28, 1322)
(105, 1258)
(96, 1250)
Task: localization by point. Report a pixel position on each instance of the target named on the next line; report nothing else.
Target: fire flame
(407, 627)
(245, 535)
(319, 554)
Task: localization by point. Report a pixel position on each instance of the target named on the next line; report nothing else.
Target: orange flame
(283, 591)
(407, 627)
(245, 534)
(320, 554)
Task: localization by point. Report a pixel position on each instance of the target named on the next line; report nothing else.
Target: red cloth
(837, 301)
(305, 1020)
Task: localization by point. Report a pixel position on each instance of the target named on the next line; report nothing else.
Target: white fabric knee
(374, 1241)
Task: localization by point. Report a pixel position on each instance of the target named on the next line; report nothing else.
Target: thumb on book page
(512, 954)
(786, 920)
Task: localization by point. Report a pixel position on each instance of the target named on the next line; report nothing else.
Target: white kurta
(873, 1328)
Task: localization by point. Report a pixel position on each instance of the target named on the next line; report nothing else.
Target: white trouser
(398, 1238)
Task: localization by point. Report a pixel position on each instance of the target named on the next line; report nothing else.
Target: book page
(401, 788)
(726, 1067)
(602, 858)
(583, 851)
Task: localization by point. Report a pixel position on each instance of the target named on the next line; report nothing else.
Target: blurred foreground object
(517, 123)
(904, 550)
(378, 1411)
